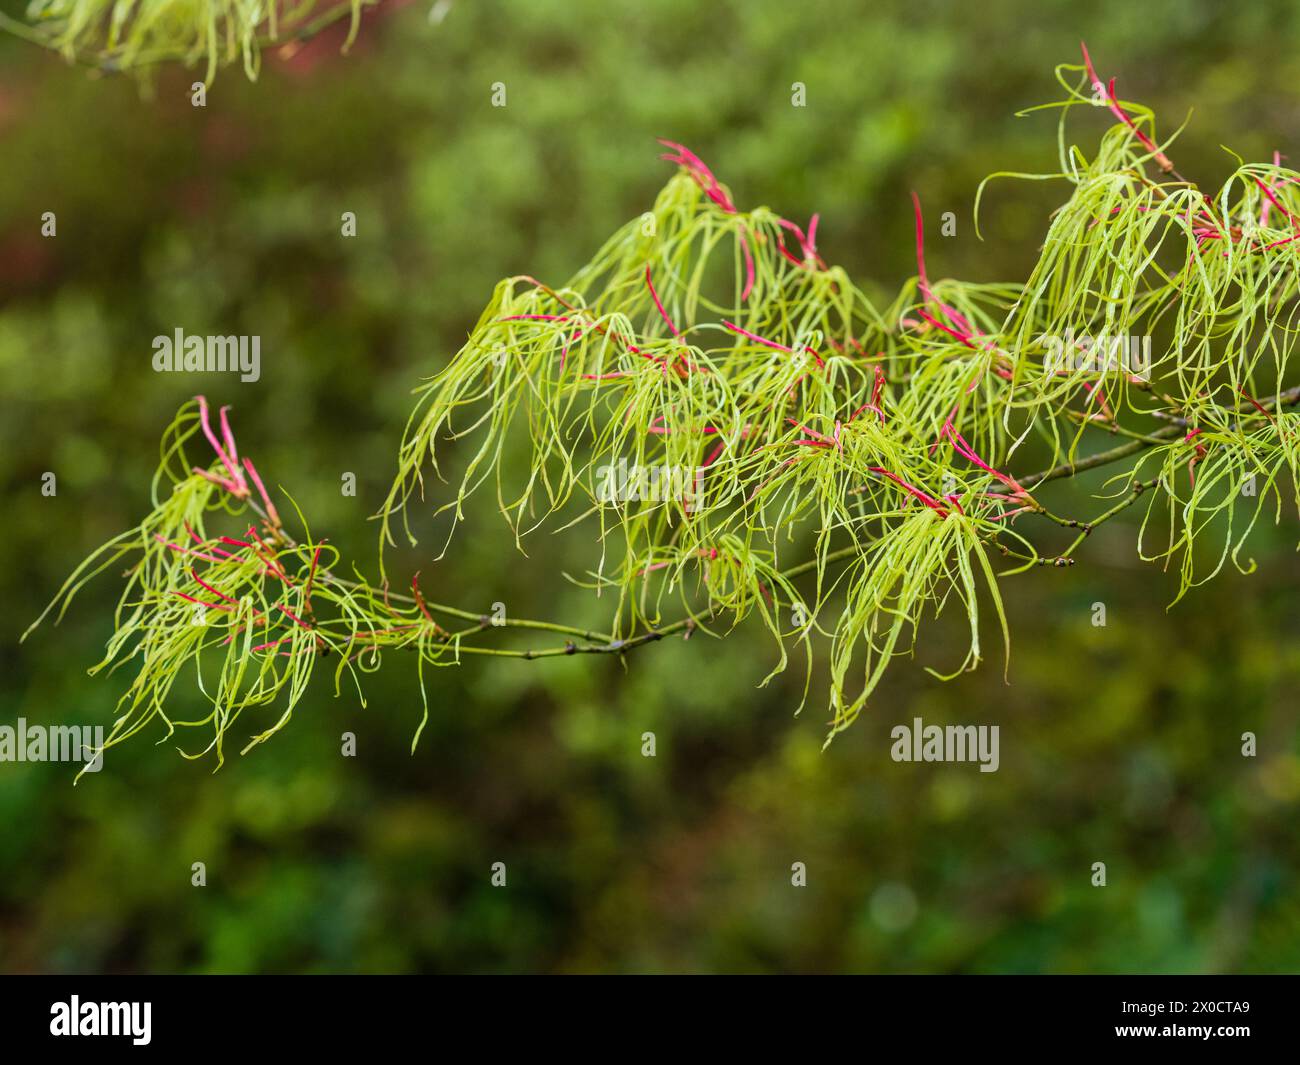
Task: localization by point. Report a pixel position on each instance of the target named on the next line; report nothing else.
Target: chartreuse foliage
(138, 34)
(829, 466)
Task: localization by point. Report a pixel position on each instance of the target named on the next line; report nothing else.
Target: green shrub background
(1119, 744)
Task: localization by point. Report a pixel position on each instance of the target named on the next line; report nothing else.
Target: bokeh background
(1119, 744)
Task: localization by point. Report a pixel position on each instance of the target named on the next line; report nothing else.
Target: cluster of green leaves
(879, 434)
(252, 614)
(201, 599)
(138, 34)
(847, 461)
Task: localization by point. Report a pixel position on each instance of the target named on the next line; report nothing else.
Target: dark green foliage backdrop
(1119, 744)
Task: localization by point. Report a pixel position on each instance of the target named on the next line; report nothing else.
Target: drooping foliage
(743, 436)
(136, 35)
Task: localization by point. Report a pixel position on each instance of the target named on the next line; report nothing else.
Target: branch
(1134, 447)
(485, 621)
(1066, 469)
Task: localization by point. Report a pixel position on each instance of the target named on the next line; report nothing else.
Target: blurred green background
(1119, 744)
